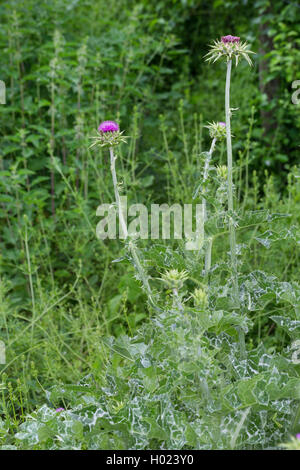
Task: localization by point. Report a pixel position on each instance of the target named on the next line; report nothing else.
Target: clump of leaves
(178, 384)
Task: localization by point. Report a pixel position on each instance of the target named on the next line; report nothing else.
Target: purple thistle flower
(222, 124)
(229, 39)
(58, 410)
(108, 126)
(298, 435)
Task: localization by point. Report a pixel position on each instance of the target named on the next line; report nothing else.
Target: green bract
(108, 139)
(217, 130)
(174, 279)
(229, 51)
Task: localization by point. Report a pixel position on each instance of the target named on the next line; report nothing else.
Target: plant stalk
(232, 234)
(208, 243)
(140, 269)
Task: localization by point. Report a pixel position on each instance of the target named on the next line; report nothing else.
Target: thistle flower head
(230, 48)
(174, 279)
(109, 135)
(59, 410)
(217, 130)
(108, 126)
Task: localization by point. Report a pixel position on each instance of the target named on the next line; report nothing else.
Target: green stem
(139, 267)
(208, 251)
(296, 421)
(208, 243)
(117, 195)
(232, 235)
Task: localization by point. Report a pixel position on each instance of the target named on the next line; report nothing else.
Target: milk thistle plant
(230, 48)
(109, 135)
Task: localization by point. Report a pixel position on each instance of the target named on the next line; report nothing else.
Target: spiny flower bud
(217, 130)
(222, 172)
(174, 279)
(109, 135)
(229, 47)
(200, 298)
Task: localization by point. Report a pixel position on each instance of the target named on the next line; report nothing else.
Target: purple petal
(108, 126)
(229, 39)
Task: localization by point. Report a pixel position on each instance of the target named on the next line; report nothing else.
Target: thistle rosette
(230, 48)
(109, 135)
(217, 130)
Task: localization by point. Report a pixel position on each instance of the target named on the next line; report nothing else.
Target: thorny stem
(143, 275)
(232, 235)
(208, 246)
(207, 161)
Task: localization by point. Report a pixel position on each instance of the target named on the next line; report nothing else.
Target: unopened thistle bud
(109, 135)
(222, 172)
(200, 298)
(217, 130)
(174, 279)
(229, 47)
